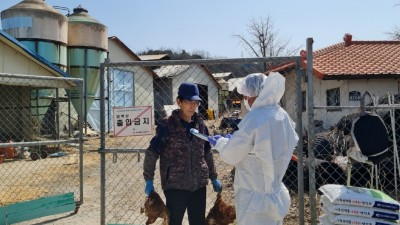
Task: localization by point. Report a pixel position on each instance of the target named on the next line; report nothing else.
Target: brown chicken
(221, 213)
(154, 207)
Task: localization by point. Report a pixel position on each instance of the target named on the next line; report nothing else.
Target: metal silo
(43, 30)
(39, 27)
(87, 48)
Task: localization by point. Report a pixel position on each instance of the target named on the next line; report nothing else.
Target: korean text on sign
(132, 121)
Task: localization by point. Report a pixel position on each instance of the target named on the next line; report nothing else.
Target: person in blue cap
(186, 162)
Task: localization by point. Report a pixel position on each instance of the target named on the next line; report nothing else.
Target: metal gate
(40, 141)
(134, 97)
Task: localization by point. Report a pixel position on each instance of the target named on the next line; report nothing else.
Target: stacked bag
(354, 205)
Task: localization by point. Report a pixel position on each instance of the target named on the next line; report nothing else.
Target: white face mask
(246, 103)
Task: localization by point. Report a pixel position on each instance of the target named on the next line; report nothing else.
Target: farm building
(171, 76)
(21, 100)
(76, 43)
(342, 73)
(129, 86)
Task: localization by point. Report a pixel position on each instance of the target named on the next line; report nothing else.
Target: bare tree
(395, 34)
(263, 40)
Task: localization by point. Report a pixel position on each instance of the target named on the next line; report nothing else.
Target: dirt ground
(89, 211)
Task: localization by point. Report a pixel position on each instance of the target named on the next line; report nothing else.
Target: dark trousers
(195, 203)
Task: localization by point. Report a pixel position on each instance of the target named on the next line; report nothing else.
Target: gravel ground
(89, 211)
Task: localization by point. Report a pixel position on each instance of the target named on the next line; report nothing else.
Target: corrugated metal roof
(221, 75)
(153, 57)
(34, 55)
(171, 70)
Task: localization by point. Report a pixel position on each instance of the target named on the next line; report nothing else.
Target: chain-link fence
(41, 146)
(40, 138)
(135, 96)
(335, 139)
(147, 92)
(332, 143)
(351, 135)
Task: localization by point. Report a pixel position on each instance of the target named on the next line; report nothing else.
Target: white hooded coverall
(261, 150)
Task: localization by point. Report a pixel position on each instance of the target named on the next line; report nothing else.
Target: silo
(43, 30)
(39, 27)
(87, 48)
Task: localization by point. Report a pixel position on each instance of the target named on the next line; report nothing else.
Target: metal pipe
(80, 127)
(122, 150)
(85, 88)
(57, 117)
(299, 130)
(203, 61)
(383, 106)
(41, 78)
(38, 143)
(395, 151)
(102, 147)
(310, 113)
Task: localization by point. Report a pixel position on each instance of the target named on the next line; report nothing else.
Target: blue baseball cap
(189, 91)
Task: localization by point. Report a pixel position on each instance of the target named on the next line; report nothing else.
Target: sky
(209, 25)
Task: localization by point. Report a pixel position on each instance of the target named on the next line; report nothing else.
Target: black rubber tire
(43, 154)
(35, 156)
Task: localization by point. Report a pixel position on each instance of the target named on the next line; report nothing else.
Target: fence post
(310, 113)
(102, 146)
(299, 128)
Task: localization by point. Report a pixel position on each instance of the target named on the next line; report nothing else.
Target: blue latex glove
(216, 185)
(228, 136)
(213, 139)
(149, 187)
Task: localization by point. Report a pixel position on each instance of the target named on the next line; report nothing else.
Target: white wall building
(342, 73)
(171, 76)
(129, 86)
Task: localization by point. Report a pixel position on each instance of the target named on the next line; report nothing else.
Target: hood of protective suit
(272, 91)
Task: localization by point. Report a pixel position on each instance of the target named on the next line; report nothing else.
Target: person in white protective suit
(260, 150)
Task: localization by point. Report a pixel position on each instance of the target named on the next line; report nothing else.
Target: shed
(171, 76)
(16, 60)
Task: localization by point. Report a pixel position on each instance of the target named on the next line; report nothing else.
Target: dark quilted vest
(182, 163)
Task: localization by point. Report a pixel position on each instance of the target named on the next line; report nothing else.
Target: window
(122, 88)
(333, 98)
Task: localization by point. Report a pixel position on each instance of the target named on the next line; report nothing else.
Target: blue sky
(208, 25)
